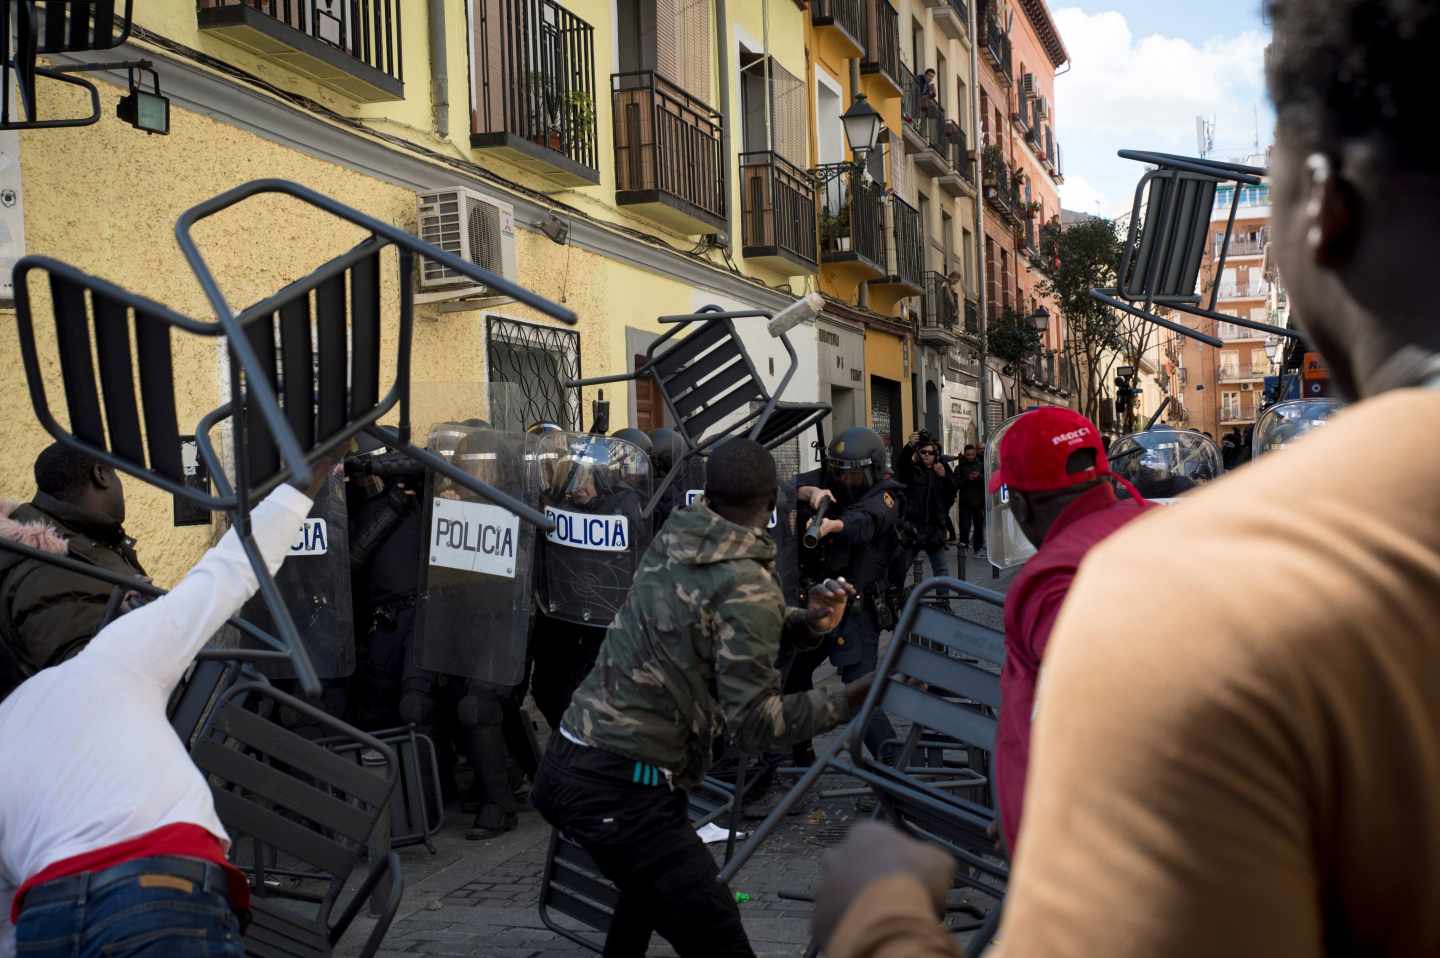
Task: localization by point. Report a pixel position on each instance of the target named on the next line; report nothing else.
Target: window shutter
(696, 46)
(787, 114)
(667, 40)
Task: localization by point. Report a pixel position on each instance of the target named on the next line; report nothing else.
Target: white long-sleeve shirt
(87, 756)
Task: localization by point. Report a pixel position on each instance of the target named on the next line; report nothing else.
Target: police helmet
(445, 438)
(667, 449)
(543, 426)
(857, 449)
(482, 454)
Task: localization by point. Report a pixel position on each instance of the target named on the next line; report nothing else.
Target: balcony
(997, 48)
(777, 214)
(939, 311)
(972, 316)
(351, 47)
(668, 162)
(843, 21)
(852, 222)
(1239, 413)
(1241, 247)
(952, 17)
(1234, 331)
(904, 252)
(534, 103)
(1001, 189)
(1236, 374)
(957, 178)
(1234, 291)
(924, 128)
(881, 60)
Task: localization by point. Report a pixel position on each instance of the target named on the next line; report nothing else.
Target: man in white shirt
(109, 841)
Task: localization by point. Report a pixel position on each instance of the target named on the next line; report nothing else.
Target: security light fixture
(1274, 347)
(1125, 372)
(147, 110)
(862, 127)
(1040, 320)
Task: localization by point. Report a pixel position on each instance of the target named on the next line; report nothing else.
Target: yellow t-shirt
(1237, 746)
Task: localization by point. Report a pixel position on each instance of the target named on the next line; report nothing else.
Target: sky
(1140, 72)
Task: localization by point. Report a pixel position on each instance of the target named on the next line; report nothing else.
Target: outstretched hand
(826, 604)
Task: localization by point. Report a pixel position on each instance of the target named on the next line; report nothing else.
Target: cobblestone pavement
(481, 898)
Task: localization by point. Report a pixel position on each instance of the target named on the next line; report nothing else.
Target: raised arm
(160, 639)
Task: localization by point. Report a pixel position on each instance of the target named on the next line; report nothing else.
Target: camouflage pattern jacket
(691, 655)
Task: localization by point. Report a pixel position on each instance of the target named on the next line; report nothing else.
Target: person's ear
(101, 475)
(1331, 213)
(774, 498)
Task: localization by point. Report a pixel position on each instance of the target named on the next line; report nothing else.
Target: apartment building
(629, 158)
(1022, 168)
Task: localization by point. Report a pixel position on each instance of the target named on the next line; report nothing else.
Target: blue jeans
(157, 907)
(939, 561)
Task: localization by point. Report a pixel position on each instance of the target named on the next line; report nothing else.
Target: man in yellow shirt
(1237, 739)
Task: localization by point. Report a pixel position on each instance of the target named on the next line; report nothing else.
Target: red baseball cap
(1036, 447)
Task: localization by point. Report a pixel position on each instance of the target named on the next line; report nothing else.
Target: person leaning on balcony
(1268, 784)
(925, 91)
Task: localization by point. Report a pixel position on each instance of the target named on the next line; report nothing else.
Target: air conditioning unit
(1042, 107)
(1028, 86)
(472, 226)
(1245, 387)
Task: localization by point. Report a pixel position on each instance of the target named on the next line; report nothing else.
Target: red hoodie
(1031, 605)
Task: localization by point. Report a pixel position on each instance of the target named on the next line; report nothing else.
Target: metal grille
(485, 237)
(442, 228)
(539, 360)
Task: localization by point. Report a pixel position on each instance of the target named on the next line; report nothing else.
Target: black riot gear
(667, 447)
(636, 438)
(855, 460)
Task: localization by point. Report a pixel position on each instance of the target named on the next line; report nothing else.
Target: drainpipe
(977, 174)
(439, 70)
(722, 34)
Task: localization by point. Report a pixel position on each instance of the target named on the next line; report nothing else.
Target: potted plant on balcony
(835, 229)
(580, 112)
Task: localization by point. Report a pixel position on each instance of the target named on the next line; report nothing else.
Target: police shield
(595, 489)
(314, 583)
(473, 613)
(1285, 422)
(1165, 463)
(1005, 541)
(781, 528)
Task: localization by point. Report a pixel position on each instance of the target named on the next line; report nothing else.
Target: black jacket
(928, 497)
(48, 614)
(972, 491)
(863, 551)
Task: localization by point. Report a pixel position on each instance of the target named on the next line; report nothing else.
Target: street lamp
(862, 128)
(1040, 320)
(1274, 347)
(1125, 372)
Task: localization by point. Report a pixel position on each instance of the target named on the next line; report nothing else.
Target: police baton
(811, 539)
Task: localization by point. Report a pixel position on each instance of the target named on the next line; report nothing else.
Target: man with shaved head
(688, 661)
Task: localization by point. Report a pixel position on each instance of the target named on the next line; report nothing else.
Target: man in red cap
(1059, 484)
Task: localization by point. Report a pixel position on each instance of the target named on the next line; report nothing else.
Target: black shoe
(492, 822)
(803, 756)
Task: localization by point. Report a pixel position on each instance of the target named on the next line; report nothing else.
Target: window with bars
(539, 360)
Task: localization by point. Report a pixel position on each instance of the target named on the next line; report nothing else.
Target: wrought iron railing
(668, 141)
(997, 43)
(535, 76)
(848, 15)
(999, 187)
(959, 151)
(904, 251)
(368, 30)
(961, 10)
(777, 202)
(852, 214)
(882, 39)
(972, 317)
(939, 308)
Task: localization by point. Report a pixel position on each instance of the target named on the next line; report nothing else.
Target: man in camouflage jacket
(689, 661)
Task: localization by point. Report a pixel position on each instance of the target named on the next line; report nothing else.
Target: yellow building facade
(634, 229)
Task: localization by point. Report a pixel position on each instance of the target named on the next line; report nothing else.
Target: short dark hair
(929, 70)
(740, 473)
(61, 471)
(1346, 69)
(969, 446)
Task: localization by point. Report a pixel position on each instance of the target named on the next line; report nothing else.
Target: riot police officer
(584, 583)
(667, 451)
(858, 537)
